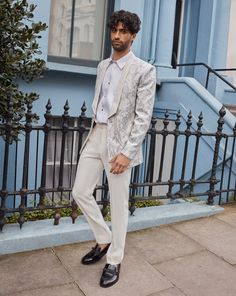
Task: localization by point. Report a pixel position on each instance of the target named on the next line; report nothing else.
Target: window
(77, 32)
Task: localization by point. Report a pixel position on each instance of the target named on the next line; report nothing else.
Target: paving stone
(229, 208)
(31, 270)
(66, 290)
(230, 218)
(201, 274)
(169, 292)
(213, 234)
(137, 277)
(157, 245)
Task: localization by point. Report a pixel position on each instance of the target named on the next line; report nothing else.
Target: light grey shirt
(109, 87)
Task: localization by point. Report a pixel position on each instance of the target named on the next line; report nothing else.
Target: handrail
(227, 69)
(209, 70)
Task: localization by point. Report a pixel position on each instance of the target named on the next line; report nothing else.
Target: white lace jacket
(131, 112)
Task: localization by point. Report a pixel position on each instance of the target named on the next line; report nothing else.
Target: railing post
(65, 126)
(81, 128)
(187, 133)
(164, 134)
(46, 129)
(24, 190)
(176, 135)
(65, 118)
(213, 181)
(150, 166)
(195, 158)
(133, 188)
(231, 162)
(8, 141)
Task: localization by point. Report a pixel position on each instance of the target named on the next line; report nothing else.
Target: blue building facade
(173, 32)
(191, 31)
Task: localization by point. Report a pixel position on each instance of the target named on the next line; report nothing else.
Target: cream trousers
(93, 160)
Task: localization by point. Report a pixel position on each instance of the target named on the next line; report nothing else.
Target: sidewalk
(193, 258)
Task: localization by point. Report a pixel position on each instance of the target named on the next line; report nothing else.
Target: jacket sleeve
(143, 112)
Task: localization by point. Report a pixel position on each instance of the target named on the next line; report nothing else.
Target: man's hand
(119, 164)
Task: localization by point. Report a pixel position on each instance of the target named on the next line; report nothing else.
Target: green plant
(232, 198)
(147, 203)
(191, 199)
(41, 214)
(18, 49)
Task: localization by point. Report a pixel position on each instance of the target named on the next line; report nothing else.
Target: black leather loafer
(110, 275)
(94, 255)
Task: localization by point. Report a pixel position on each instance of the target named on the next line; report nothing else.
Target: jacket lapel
(120, 87)
(100, 78)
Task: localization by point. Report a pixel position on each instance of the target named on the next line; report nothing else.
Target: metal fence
(38, 170)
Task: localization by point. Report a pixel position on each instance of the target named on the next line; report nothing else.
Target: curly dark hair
(130, 20)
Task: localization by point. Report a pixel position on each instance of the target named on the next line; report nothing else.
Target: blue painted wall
(204, 39)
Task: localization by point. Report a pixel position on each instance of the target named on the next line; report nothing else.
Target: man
(122, 110)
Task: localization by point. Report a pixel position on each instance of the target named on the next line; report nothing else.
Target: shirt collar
(122, 61)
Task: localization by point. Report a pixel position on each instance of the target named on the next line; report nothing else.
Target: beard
(119, 46)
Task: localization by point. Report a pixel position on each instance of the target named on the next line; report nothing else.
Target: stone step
(43, 234)
(231, 108)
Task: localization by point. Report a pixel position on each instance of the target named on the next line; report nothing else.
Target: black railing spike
(29, 111)
(177, 120)
(200, 117)
(200, 121)
(167, 114)
(220, 122)
(222, 111)
(66, 108)
(166, 120)
(48, 107)
(178, 115)
(190, 117)
(83, 109)
(153, 122)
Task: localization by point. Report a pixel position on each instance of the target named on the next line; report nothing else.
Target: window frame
(106, 43)
(178, 28)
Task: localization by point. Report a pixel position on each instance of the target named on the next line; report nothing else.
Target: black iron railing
(209, 71)
(38, 171)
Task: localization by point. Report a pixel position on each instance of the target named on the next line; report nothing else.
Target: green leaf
(18, 58)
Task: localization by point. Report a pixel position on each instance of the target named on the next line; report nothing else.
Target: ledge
(43, 234)
(71, 68)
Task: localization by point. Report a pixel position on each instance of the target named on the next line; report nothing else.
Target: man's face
(121, 38)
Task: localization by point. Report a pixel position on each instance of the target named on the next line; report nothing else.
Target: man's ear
(133, 36)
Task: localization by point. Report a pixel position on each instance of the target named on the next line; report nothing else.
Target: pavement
(190, 258)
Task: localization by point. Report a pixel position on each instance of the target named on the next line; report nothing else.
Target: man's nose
(117, 35)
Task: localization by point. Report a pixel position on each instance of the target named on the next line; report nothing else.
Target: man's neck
(118, 55)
